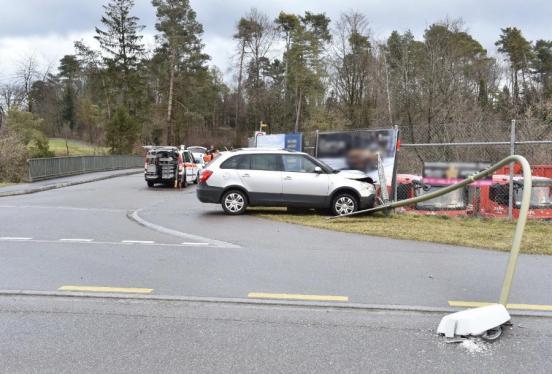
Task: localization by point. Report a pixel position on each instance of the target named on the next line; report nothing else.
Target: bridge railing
(54, 167)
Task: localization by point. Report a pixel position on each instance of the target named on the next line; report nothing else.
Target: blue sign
(294, 142)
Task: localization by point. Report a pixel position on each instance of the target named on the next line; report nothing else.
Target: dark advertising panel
(358, 150)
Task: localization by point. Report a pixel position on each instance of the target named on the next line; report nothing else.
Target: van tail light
(205, 174)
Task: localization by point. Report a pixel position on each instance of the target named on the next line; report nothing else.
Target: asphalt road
(67, 335)
(84, 236)
(260, 255)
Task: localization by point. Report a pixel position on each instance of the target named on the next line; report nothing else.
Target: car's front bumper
(366, 202)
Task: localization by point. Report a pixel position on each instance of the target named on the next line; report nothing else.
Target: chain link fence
(479, 142)
(500, 196)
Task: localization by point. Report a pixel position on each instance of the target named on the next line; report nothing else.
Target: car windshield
(452, 200)
(541, 197)
(197, 149)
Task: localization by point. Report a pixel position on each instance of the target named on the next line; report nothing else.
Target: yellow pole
(518, 234)
(520, 226)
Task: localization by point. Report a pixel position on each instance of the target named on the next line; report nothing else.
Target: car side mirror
(318, 170)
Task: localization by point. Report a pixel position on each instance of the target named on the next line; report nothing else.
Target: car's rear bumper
(209, 194)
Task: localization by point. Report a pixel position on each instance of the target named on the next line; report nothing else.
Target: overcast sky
(48, 28)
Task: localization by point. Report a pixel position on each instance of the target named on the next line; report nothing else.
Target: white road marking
(95, 242)
(75, 240)
(13, 238)
(109, 210)
(138, 241)
(165, 230)
(188, 243)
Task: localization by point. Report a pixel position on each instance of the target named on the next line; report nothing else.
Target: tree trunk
(170, 102)
(237, 127)
(298, 111)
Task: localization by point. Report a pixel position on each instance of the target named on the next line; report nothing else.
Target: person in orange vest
(210, 154)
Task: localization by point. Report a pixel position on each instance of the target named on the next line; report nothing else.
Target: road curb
(134, 216)
(257, 302)
(65, 184)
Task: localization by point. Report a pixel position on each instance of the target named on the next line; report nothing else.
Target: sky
(46, 29)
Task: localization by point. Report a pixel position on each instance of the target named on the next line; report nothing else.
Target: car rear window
(236, 162)
(266, 162)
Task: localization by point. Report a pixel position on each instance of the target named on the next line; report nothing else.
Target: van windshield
(452, 200)
(541, 197)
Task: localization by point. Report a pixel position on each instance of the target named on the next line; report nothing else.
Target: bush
(39, 146)
(13, 158)
(28, 129)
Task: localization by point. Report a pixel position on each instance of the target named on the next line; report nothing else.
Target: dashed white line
(79, 240)
(138, 241)
(96, 242)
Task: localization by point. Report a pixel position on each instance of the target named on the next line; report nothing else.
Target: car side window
(187, 157)
(239, 162)
(266, 162)
(298, 164)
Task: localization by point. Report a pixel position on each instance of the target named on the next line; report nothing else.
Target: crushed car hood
(355, 175)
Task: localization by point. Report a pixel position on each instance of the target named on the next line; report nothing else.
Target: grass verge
(76, 148)
(494, 234)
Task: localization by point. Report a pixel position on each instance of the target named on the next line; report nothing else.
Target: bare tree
(11, 96)
(26, 74)
(352, 59)
(255, 35)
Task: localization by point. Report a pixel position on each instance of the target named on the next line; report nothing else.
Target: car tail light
(205, 174)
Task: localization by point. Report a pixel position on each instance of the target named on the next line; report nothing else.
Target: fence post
(511, 169)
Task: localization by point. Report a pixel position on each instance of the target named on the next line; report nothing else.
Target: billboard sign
(359, 150)
(292, 142)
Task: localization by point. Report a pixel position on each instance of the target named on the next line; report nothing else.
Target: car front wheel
(234, 202)
(344, 203)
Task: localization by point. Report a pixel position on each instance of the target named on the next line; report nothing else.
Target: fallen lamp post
(486, 322)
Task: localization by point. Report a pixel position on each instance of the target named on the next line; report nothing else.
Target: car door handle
(245, 175)
(288, 178)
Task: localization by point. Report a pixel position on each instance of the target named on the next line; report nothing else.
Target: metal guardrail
(47, 168)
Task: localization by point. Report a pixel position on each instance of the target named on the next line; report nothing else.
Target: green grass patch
(493, 234)
(76, 148)
(3, 184)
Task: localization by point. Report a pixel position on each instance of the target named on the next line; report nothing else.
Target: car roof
(263, 150)
(165, 148)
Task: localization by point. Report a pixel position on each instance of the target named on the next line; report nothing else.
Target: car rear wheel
(344, 203)
(234, 202)
(150, 183)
